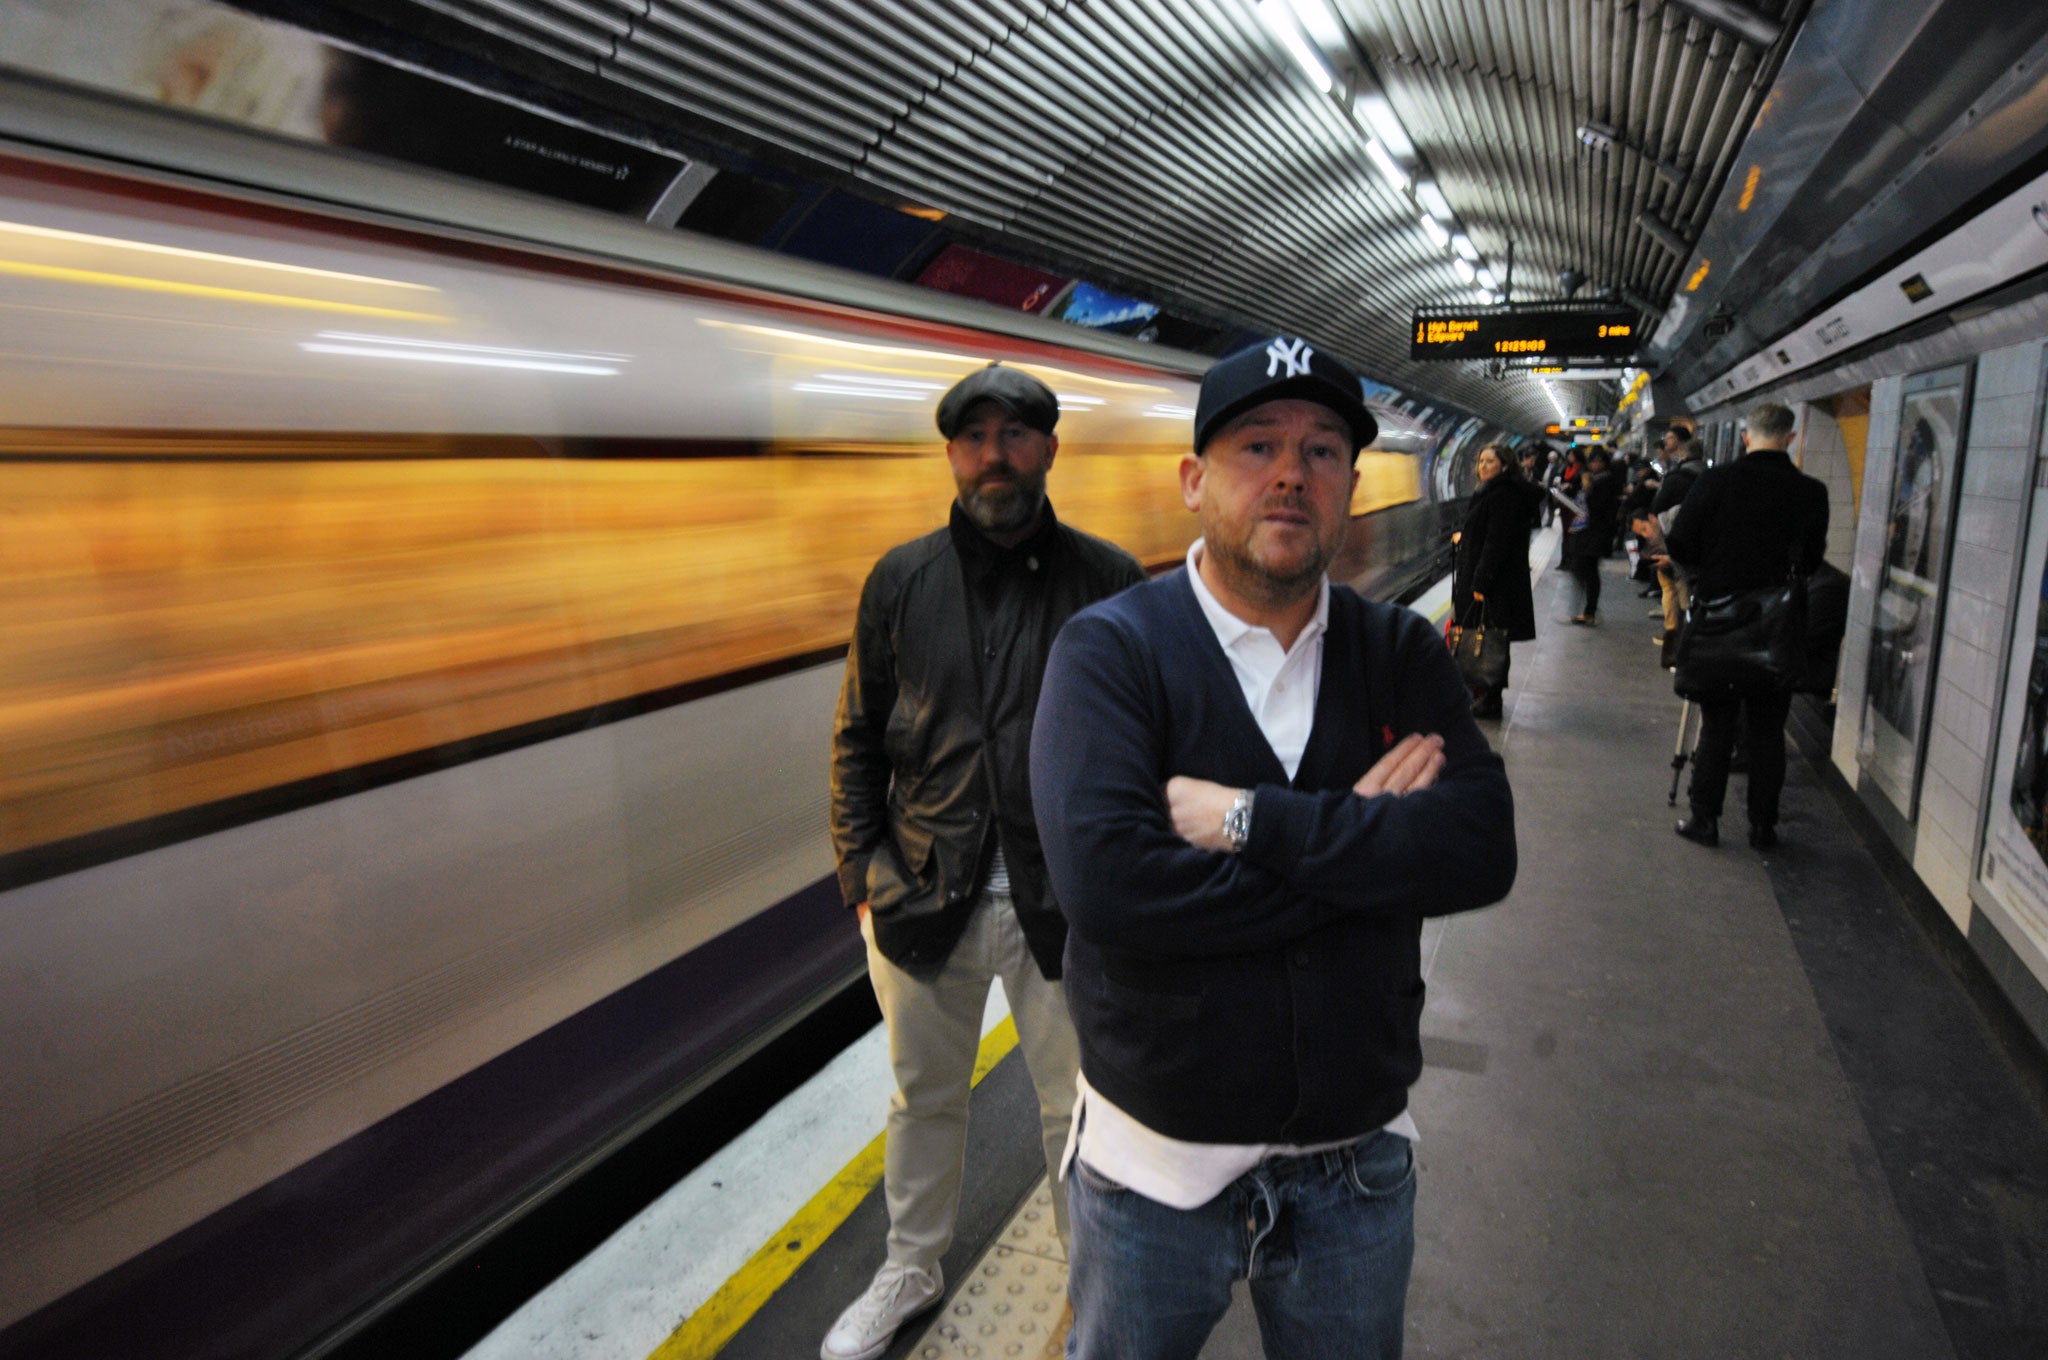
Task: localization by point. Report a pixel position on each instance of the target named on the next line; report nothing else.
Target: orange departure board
(1525, 332)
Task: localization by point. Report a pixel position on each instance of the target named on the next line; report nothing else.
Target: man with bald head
(1745, 526)
(1251, 787)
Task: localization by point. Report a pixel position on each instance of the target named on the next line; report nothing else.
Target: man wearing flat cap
(932, 820)
(1252, 786)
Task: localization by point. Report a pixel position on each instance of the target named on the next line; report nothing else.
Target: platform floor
(1678, 1102)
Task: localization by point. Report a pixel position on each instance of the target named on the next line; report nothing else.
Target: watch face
(1237, 824)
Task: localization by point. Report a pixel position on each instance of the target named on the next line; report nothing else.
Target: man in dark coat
(931, 814)
(1490, 578)
(1253, 785)
(1746, 526)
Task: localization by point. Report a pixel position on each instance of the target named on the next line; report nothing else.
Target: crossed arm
(1136, 861)
(1197, 805)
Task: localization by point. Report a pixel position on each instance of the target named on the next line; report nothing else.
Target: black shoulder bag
(1745, 642)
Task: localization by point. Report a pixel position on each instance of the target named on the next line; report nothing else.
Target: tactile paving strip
(1014, 1306)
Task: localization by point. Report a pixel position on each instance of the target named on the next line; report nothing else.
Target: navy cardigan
(1272, 996)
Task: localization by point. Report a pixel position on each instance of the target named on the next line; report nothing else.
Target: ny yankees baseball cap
(1285, 366)
(1022, 395)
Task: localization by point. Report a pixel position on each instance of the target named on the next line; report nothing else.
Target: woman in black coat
(1490, 576)
(1585, 544)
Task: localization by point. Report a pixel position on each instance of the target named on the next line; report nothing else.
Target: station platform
(1677, 1102)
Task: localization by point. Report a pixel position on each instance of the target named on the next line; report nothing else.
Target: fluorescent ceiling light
(1378, 114)
(1432, 198)
(1487, 296)
(1739, 19)
(1279, 18)
(1322, 25)
(1465, 272)
(1387, 165)
(1555, 404)
(1436, 231)
(1487, 280)
(1466, 250)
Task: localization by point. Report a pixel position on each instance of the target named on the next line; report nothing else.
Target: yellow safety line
(705, 1332)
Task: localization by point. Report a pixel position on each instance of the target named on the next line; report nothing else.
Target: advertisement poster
(1906, 628)
(211, 59)
(1087, 305)
(973, 273)
(2012, 883)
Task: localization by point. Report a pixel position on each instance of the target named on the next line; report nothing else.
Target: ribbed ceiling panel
(1174, 146)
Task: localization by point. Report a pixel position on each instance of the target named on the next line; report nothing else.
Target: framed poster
(2012, 864)
(1905, 629)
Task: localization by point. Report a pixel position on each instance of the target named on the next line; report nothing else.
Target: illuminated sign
(1550, 332)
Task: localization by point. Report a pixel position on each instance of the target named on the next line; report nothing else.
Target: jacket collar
(980, 555)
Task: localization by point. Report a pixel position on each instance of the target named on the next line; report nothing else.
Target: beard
(1003, 506)
(1258, 577)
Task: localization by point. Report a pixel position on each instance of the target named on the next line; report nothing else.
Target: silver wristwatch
(1237, 823)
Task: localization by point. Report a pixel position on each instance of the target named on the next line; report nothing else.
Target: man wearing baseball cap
(1252, 786)
(931, 814)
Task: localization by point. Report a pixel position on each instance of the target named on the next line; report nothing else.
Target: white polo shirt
(1280, 685)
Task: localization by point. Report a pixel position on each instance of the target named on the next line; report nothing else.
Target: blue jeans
(1326, 1242)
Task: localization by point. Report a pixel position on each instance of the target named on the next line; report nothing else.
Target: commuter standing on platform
(1590, 536)
(1745, 526)
(932, 820)
(1490, 572)
(1252, 786)
(1683, 467)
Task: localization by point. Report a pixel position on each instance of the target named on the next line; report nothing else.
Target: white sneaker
(897, 1294)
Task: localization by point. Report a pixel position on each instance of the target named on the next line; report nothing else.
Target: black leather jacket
(931, 744)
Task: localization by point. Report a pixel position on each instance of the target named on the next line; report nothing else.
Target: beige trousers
(1675, 598)
(934, 1035)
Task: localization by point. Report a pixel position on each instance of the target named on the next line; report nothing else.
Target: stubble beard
(1255, 580)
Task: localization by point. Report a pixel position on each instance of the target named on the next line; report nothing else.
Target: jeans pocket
(1380, 1165)
(1096, 1181)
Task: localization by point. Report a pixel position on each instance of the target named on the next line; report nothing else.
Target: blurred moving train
(417, 655)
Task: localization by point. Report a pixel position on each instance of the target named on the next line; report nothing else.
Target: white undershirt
(1280, 687)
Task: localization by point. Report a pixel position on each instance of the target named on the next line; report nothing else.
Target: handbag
(1745, 642)
(1481, 655)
